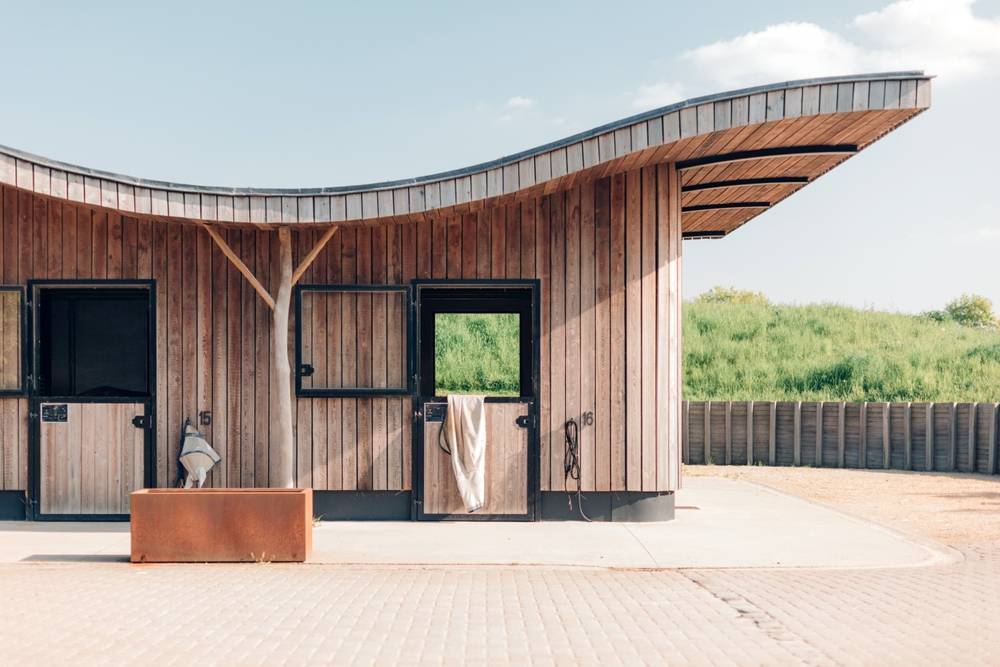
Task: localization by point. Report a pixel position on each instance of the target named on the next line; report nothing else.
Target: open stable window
(477, 353)
(11, 341)
(352, 340)
(94, 342)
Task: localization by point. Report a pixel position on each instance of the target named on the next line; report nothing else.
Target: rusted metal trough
(221, 525)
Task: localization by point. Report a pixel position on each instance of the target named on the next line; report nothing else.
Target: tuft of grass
(829, 352)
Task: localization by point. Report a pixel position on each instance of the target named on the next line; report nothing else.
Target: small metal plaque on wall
(435, 412)
(54, 412)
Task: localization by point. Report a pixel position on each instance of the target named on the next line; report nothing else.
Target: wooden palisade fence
(903, 436)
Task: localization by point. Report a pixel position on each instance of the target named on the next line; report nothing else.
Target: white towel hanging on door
(464, 435)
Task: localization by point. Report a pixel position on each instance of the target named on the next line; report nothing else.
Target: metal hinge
(306, 370)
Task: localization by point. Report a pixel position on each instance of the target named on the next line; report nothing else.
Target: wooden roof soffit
(745, 183)
(702, 235)
(765, 153)
(725, 205)
(252, 279)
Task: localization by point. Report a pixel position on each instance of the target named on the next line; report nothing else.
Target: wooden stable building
(130, 306)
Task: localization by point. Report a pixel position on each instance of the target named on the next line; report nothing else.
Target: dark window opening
(94, 342)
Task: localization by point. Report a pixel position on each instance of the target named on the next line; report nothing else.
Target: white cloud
(942, 37)
(945, 35)
(782, 51)
(519, 102)
(657, 95)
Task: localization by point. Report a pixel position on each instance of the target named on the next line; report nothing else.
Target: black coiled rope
(571, 465)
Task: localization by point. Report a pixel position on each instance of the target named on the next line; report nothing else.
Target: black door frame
(35, 400)
(531, 399)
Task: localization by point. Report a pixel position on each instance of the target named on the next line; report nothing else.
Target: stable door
(477, 338)
(91, 398)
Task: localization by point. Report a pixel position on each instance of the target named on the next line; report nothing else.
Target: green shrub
(937, 315)
(972, 310)
(720, 294)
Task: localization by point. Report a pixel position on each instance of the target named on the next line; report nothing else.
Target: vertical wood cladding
(607, 253)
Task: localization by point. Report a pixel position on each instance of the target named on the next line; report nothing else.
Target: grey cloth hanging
(197, 456)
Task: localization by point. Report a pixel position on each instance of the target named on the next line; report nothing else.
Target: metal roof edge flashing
(455, 173)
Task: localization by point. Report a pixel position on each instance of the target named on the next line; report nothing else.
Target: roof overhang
(738, 152)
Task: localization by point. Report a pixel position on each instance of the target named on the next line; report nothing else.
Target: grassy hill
(477, 353)
(760, 351)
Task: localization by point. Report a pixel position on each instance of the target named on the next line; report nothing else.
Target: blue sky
(309, 94)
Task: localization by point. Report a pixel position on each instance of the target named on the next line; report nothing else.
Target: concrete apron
(720, 524)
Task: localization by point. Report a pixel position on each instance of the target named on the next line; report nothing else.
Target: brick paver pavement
(270, 614)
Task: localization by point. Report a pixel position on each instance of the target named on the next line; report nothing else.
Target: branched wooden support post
(240, 266)
(283, 448)
(284, 469)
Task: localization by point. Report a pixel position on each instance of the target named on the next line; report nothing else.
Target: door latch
(306, 370)
(524, 421)
(139, 421)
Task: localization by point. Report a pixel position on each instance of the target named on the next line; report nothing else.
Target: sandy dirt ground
(953, 508)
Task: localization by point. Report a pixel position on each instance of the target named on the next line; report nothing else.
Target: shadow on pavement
(76, 558)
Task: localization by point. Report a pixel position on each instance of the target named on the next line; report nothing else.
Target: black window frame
(355, 392)
(22, 377)
(476, 304)
(498, 295)
(34, 289)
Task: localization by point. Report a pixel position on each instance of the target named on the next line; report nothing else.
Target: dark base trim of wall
(609, 506)
(395, 506)
(361, 505)
(12, 506)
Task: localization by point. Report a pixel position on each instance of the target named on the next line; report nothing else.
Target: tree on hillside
(969, 310)
(720, 294)
(972, 310)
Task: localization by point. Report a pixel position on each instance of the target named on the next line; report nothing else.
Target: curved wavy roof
(740, 152)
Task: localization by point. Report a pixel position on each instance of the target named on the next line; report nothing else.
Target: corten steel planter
(221, 525)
